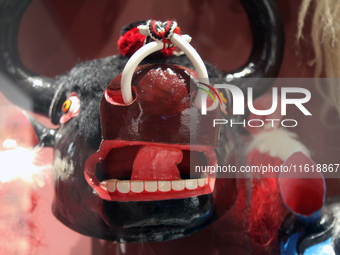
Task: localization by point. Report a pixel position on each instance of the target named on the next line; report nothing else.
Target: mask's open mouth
(144, 171)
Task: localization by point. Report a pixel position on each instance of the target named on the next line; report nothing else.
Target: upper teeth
(164, 186)
(178, 185)
(201, 182)
(123, 186)
(137, 186)
(191, 184)
(152, 186)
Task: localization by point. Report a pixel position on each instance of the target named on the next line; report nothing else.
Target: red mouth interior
(144, 162)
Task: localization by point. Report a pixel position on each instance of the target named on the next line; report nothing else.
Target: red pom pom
(130, 42)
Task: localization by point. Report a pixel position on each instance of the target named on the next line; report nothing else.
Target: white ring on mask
(182, 42)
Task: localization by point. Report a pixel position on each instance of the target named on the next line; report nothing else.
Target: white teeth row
(153, 186)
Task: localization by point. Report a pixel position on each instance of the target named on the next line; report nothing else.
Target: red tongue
(156, 163)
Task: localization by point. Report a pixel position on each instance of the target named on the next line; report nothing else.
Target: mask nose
(161, 110)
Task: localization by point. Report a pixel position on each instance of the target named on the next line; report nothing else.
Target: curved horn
(268, 46)
(23, 83)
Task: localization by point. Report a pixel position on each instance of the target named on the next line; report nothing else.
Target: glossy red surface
(162, 110)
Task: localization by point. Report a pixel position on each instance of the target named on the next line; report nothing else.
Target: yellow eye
(66, 106)
(70, 108)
